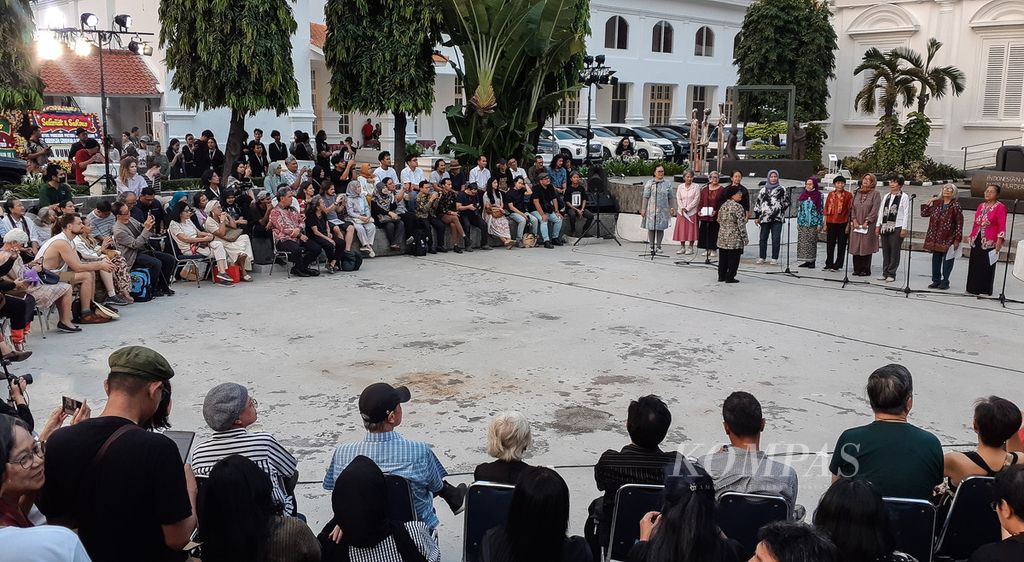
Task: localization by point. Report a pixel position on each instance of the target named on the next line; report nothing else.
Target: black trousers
(587, 217)
(300, 253)
(19, 310)
(473, 219)
(394, 229)
(160, 267)
(435, 231)
(836, 239)
(333, 252)
(728, 263)
(862, 265)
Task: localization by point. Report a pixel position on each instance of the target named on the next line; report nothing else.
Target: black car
(680, 141)
(11, 170)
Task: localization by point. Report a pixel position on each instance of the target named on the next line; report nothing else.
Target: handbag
(48, 277)
(231, 234)
(529, 240)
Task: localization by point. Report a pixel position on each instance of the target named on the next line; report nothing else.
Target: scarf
(768, 182)
(891, 211)
(814, 195)
(360, 508)
(364, 171)
(382, 197)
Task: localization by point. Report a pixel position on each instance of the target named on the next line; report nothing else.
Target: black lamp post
(87, 35)
(594, 73)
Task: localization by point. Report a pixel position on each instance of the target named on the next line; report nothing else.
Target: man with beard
(123, 488)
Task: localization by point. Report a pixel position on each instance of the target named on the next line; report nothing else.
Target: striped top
(261, 448)
(387, 550)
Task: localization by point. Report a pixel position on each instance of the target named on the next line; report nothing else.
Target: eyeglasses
(253, 402)
(27, 460)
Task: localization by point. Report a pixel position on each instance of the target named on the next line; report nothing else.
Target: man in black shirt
(576, 205)
(469, 203)
(125, 489)
(277, 150)
(257, 138)
(79, 144)
(640, 462)
(1008, 496)
(544, 206)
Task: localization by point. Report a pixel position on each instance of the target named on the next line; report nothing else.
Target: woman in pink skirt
(687, 198)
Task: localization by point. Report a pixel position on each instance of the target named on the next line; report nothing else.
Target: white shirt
(381, 173)
(479, 177)
(412, 176)
(518, 173)
(45, 543)
(9, 223)
(902, 214)
(436, 178)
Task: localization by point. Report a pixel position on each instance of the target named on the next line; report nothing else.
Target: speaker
(602, 202)
(597, 180)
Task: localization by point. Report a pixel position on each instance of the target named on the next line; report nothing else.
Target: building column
(635, 114)
(302, 116)
(680, 115)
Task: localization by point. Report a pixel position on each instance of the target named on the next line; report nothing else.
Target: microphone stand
(1002, 293)
(906, 290)
(654, 194)
(786, 216)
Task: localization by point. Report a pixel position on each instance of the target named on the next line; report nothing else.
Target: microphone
(913, 196)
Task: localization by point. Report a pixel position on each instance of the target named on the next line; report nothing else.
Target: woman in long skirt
(657, 206)
(808, 220)
(987, 236)
(707, 215)
(867, 202)
(687, 200)
(494, 214)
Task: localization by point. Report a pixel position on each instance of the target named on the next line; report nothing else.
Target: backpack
(419, 244)
(351, 261)
(142, 286)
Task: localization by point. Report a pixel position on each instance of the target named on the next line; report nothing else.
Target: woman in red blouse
(987, 236)
(945, 231)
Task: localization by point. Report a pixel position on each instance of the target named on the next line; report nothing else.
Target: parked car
(645, 139)
(608, 140)
(11, 170)
(570, 145)
(546, 148)
(679, 141)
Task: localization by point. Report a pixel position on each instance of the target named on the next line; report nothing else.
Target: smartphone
(70, 405)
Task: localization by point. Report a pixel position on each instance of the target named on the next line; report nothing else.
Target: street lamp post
(82, 38)
(594, 73)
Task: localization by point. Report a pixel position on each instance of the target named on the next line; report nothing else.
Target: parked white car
(608, 140)
(649, 145)
(569, 144)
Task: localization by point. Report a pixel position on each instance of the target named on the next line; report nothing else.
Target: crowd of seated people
(130, 495)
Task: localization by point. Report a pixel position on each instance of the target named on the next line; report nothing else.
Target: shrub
(183, 184)
(637, 167)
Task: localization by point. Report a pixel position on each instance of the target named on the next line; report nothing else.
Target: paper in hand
(861, 230)
(993, 257)
(953, 252)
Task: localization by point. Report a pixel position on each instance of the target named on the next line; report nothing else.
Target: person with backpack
(131, 238)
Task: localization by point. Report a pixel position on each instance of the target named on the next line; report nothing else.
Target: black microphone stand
(786, 216)
(906, 290)
(1006, 264)
(654, 194)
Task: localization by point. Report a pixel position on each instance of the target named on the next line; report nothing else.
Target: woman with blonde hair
(945, 231)
(508, 437)
(129, 179)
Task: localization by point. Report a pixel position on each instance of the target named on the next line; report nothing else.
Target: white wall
(965, 27)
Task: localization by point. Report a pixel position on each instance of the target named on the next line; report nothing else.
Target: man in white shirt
(385, 170)
(480, 175)
(292, 175)
(14, 217)
(515, 171)
(412, 175)
(892, 227)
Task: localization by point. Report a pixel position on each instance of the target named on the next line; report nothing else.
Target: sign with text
(1011, 184)
(57, 125)
(8, 144)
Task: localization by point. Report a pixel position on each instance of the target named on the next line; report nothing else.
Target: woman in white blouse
(236, 244)
(192, 242)
(129, 179)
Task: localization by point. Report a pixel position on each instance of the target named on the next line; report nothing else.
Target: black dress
(981, 275)
(500, 472)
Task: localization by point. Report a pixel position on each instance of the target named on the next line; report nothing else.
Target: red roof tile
(125, 75)
(317, 35)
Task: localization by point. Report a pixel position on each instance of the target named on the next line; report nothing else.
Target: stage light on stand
(89, 20)
(147, 49)
(124, 21)
(133, 46)
(48, 47)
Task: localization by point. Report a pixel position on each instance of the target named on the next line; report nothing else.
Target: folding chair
(487, 505)
(278, 255)
(971, 522)
(741, 516)
(195, 259)
(43, 316)
(913, 525)
(400, 500)
(632, 502)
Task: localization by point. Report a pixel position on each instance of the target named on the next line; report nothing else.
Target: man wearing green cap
(123, 488)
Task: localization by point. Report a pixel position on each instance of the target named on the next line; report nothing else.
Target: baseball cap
(839, 179)
(378, 400)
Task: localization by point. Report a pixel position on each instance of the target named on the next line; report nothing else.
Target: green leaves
(20, 85)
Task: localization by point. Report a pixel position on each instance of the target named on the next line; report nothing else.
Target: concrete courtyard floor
(567, 336)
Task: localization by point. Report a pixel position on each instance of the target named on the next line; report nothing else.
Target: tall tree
(888, 84)
(380, 55)
(933, 81)
(20, 85)
(775, 46)
(231, 53)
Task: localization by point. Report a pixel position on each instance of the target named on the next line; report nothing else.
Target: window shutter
(1014, 82)
(995, 63)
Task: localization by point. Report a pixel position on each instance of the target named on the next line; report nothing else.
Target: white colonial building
(670, 56)
(984, 38)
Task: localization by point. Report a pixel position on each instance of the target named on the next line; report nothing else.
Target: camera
(15, 379)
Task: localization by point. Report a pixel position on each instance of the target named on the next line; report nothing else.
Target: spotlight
(124, 21)
(147, 49)
(599, 59)
(83, 47)
(48, 47)
(588, 60)
(90, 20)
(133, 46)
(614, 80)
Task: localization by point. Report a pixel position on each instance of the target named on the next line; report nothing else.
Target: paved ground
(566, 336)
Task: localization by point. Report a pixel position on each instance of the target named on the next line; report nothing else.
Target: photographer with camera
(17, 405)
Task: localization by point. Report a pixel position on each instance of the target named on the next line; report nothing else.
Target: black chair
(487, 506)
(971, 522)
(913, 525)
(632, 502)
(400, 501)
(741, 516)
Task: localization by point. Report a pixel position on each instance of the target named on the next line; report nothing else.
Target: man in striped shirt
(380, 406)
(229, 410)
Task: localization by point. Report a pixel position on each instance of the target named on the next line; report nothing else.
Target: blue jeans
(554, 221)
(775, 230)
(521, 224)
(941, 268)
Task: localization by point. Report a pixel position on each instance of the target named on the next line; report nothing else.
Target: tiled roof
(318, 38)
(125, 75)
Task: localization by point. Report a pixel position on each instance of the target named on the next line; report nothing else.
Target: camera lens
(27, 377)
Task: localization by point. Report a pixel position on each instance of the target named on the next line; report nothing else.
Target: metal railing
(984, 152)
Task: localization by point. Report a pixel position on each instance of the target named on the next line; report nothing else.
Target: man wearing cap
(545, 210)
(837, 224)
(229, 409)
(380, 406)
(79, 144)
(125, 490)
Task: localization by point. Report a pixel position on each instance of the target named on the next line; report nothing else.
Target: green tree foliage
(933, 81)
(888, 85)
(379, 53)
(521, 58)
(230, 53)
(787, 42)
(20, 85)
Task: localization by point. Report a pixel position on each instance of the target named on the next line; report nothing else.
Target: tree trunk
(233, 148)
(401, 123)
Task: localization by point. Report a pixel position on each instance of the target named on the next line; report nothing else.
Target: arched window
(661, 41)
(705, 43)
(616, 33)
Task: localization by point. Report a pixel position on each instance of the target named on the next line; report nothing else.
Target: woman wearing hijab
(864, 218)
(537, 521)
(732, 234)
(945, 231)
(770, 214)
(361, 529)
(808, 221)
(656, 208)
(687, 198)
(707, 215)
(359, 211)
(366, 178)
(386, 209)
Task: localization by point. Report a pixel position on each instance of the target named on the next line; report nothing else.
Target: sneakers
(115, 300)
(223, 279)
(890, 279)
(456, 249)
(760, 261)
(944, 285)
(882, 278)
(485, 246)
(372, 254)
(775, 262)
(549, 245)
(366, 250)
(934, 285)
(681, 251)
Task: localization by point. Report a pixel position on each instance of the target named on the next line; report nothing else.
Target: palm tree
(933, 81)
(888, 77)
